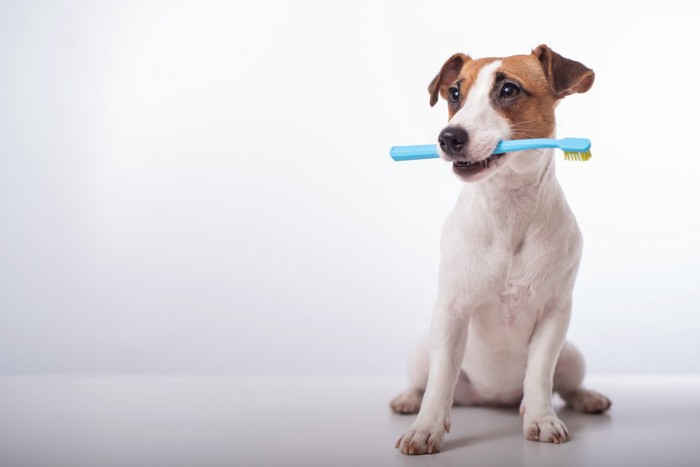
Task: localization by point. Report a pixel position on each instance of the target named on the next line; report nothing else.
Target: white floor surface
(102, 421)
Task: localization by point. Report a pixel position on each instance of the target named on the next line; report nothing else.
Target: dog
(510, 252)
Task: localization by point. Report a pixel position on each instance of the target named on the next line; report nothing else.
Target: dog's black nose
(452, 139)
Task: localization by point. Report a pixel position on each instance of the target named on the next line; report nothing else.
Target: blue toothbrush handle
(412, 153)
(429, 151)
(525, 144)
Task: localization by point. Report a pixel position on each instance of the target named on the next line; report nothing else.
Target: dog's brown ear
(564, 76)
(448, 74)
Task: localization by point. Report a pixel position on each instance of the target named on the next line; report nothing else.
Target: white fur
(510, 252)
(483, 124)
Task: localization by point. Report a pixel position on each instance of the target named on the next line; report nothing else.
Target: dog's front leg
(448, 337)
(540, 423)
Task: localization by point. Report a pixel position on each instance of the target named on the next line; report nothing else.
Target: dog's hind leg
(568, 376)
(409, 401)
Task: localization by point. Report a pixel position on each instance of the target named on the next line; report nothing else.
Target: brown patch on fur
(531, 113)
(565, 76)
(447, 76)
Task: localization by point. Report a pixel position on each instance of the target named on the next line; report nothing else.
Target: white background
(206, 187)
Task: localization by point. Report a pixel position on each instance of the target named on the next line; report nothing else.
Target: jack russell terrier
(510, 251)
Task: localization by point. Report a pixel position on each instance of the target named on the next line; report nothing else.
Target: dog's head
(494, 99)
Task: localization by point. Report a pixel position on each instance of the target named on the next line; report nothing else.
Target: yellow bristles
(577, 156)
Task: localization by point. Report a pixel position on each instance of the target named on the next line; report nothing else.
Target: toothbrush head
(577, 156)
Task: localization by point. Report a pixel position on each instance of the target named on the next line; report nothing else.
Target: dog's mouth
(467, 168)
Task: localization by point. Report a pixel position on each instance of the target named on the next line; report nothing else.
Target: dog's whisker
(535, 149)
(523, 122)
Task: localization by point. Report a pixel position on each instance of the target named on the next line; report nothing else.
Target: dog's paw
(407, 402)
(422, 439)
(546, 429)
(587, 401)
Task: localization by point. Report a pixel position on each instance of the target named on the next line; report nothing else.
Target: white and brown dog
(510, 252)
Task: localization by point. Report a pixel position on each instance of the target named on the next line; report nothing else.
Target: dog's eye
(453, 95)
(509, 90)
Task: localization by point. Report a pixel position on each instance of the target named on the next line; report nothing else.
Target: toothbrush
(575, 149)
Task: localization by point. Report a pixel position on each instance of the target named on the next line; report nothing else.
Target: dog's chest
(514, 296)
(517, 292)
